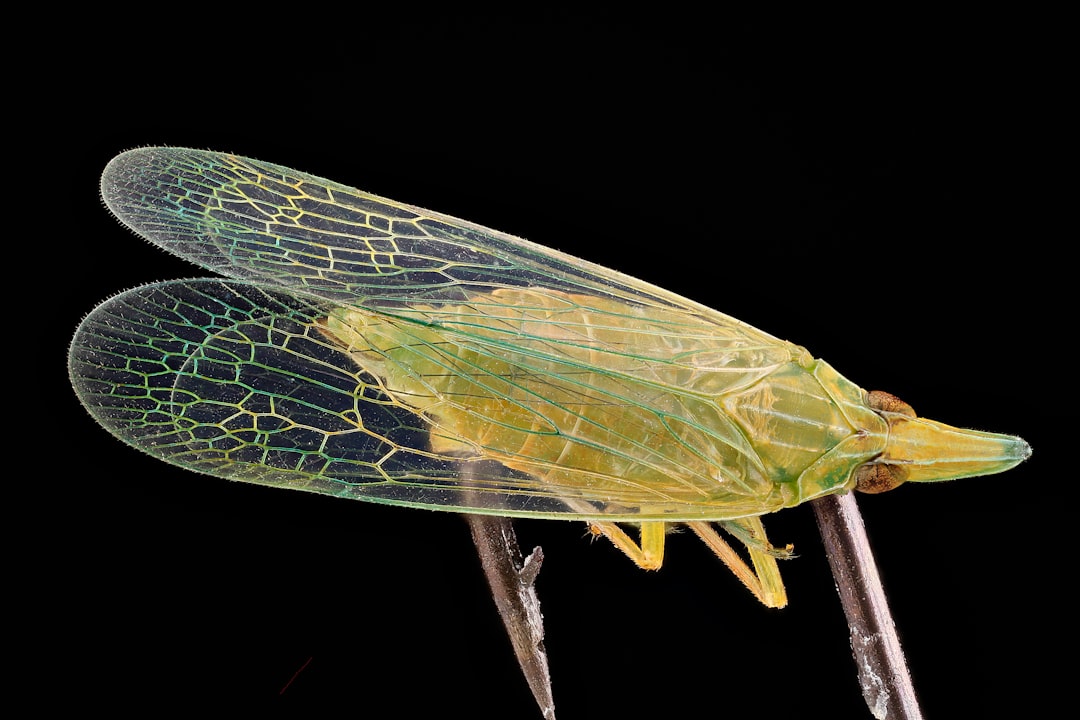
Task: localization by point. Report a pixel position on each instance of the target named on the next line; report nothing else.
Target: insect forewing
(252, 220)
(369, 348)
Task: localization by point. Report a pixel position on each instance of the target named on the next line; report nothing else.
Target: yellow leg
(649, 555)
(764, 580)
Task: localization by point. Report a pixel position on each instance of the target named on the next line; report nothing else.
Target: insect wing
(234, 380)
(264, 379)
(251, 220)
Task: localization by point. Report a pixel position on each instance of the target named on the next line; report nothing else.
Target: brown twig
(879, 659)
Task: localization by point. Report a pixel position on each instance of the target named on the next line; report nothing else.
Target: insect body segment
(375, 350)
(587, 396)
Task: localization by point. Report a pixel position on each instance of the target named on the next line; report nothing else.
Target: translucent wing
(376, 350)
(255, 221)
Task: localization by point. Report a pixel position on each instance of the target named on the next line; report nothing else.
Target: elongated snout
(929, 451)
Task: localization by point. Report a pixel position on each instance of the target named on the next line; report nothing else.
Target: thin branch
(511, 578)
(879, 659)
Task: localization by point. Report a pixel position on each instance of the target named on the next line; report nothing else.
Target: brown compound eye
(881, 400)
(873, 478)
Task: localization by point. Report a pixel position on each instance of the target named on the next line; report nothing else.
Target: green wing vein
(366, 348)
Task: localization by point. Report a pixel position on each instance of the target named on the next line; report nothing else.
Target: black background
(861, 186)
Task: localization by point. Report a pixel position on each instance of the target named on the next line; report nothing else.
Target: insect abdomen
(601, 401)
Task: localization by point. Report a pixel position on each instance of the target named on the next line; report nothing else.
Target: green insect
(374, 350)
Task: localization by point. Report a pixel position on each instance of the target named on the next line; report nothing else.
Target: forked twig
(511, 578)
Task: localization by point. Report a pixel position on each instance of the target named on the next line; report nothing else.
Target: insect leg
(649, 555)
(764, 580)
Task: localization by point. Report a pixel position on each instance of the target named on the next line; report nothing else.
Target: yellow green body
(374, 350)
(701, 424)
